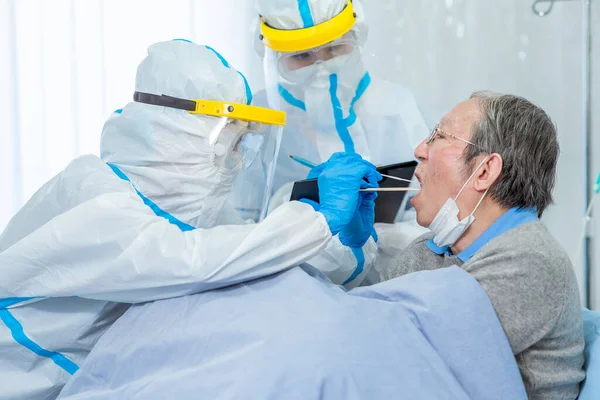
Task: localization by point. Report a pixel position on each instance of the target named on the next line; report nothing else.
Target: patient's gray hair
(525, 137)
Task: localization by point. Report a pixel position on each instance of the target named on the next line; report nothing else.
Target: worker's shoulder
(381, 90)
(86, 168)
(84, 163)
(84, 179)
(87, 177)
(386, 98)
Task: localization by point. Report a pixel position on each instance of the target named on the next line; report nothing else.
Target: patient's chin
(422, 220)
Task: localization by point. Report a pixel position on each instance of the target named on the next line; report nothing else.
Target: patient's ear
(489, 173)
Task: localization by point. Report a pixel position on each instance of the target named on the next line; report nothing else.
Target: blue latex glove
(355, 233)
(360, 228)
(316, 171)
(339, 180)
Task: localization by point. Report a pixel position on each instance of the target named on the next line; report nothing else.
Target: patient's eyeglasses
(437, 132)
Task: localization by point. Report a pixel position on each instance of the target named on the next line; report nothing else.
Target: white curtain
(65, 65)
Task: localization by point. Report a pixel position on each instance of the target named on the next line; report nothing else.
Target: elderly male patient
(487, 173)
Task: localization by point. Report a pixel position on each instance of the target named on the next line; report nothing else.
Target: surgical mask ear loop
(479, 202)
(471, 177)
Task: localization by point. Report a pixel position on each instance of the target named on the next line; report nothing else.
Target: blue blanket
(295, 335)
(590, 389)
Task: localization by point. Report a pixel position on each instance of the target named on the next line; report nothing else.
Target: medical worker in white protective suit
(312, 53)
(146, 220)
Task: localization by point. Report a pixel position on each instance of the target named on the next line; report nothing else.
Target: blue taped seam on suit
(340, 124)
(248, 91)
(119, 111)
(11, 301)
(287, 96)
(304, 9)
(360, 266)
(153, 206)
(17, 332)
(227, 65)
(223, 60)
(364, 83)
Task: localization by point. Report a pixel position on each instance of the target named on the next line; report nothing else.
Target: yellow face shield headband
(214, 108)
(307, 38)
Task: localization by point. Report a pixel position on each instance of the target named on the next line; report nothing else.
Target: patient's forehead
(461, 119)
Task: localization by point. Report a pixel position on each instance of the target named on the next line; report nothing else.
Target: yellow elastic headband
(242, 112)
(308, 38)
(215, 108)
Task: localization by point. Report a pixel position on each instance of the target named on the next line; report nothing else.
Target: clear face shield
(251, 149)
(243, 146)
(299, 55)
(237, 144)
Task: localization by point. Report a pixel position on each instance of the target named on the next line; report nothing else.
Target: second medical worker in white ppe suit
(151, 218)
(312, 53)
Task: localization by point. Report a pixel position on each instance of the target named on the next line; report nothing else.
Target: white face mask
(446, 226)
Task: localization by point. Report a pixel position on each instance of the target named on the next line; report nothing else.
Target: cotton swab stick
(400, 189)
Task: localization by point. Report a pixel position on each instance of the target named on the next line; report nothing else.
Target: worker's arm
(114, 248)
